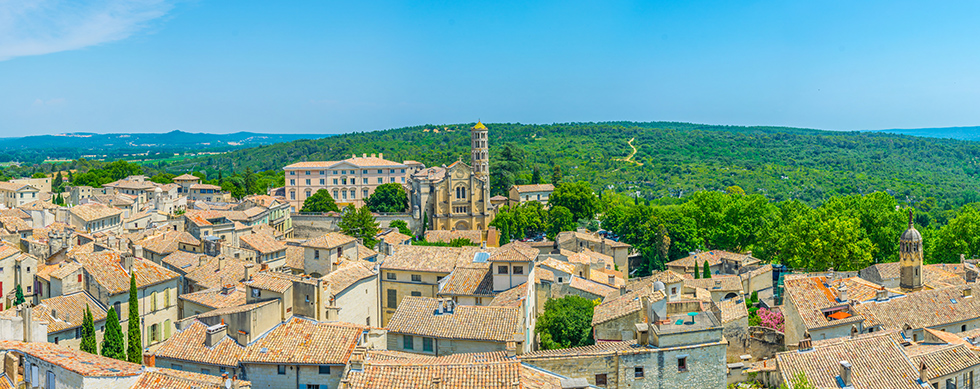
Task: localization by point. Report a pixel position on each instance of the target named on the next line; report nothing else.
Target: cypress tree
(18, 295)
(134, 352)
(89, 344)
(112, 341)
(707, 270)
(697, 271)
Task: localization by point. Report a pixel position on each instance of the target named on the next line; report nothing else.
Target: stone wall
(306, 226)
(265, 376)
(587, 367)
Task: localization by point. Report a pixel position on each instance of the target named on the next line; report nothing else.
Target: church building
(910, 259)
(456, 197)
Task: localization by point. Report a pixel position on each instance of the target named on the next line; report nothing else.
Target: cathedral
(456, 197)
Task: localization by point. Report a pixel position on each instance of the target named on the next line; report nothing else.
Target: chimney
(845, 373)
(854, 330)
(126, 261)
(381, 155)
(436, 383)
(923, 373)
(881, 294)
(642, 334)
(215, 333)
(364, 155)
(138, 251)
(622, 290)
(439, 307)
(805, 345)
(28, 321)
(842, 293)
(54, 314)
(249, 271)
(511, 349)
(10, 364)
(201, 260)
(221, 263)
(612, 280)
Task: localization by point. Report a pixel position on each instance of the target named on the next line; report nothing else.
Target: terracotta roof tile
(190, 345)
(878, 362)
(185, 261)
(329, 241)
(83, 363)
(444, 236)
(294, 258)
(811, 295)
(713, 257)
(932, 308)
(216, 298)
(732, 309)
(156, 378)
(512, 297)
(90, 212)
(218, 271)
(514, 252)
(417, 316)
(614, 307)
(301, 341)
(105, 268)
(535, 188)
(590, 286)
(347, 274)
(265, 244)
(430, 259)
(70, 310)
(276, 281)
(469, 280)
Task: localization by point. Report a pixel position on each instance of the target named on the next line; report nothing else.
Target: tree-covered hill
(672, 159)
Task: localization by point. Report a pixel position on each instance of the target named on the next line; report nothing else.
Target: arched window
(335, 195)
(307, 193)
(353, 194)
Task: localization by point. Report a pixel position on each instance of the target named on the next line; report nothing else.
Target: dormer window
(502, 269)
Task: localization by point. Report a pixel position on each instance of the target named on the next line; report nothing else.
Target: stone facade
(398, 284)
(266, 376)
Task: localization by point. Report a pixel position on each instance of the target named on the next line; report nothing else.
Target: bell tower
(910, 258)
(479, 150)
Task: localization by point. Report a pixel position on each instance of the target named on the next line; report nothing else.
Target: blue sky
(333, 67)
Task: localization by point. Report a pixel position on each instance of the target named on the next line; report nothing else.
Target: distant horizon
(487, 122)
(312, 67)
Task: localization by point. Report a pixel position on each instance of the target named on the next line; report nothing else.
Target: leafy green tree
(559, 219)
(556, 176)
(707, 270)
(321, 201)
(88, 343)
(566, 322)
(58, 200)
(113, 344)
(163, 178)
(38, 175)
(134, 351)
(18, 295)
(957, 237)
(536, 175)
(359, 223)
(388, 198)
(577, 197)
(402, 227)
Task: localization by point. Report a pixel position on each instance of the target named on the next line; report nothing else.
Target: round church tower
(910, 258)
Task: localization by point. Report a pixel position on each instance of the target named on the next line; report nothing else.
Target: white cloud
(35, 27)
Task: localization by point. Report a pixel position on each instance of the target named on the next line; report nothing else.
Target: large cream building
(456, 197)
(350, 181)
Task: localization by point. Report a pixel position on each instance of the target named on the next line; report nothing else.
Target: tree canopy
(113, 344)
(577, 197)
(321, 201)
(566, 322)
(388, 198)
(359, 223)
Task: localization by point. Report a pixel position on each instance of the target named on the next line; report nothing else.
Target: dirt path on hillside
(629, 158)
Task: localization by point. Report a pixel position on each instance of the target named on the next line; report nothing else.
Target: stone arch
(730, 295)
(461, 225)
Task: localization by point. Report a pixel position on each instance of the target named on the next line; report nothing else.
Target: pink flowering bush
(772, 319)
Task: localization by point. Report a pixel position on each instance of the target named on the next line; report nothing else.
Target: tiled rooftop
(217, 297)
(615, 306)
(276, 281)
(80, 362)
(447, 236)
(430, 259)
(514, 252)
(474, 279)
(329, 241)
(417, 316)
(732, 309)
(512, 297)
(190, 345)
(534, 188)
(347, 274)
(878, 362)
(105, 268)
(185, 261)
(301, 341)
(90, 212)
(713, 257)
(264, 244)
(70, 310)
(157, 378)
(929, 307)
(811, 295)
(590, 286)
(218, 271)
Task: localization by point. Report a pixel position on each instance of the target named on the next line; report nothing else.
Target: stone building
(349, 181)
(910, 258)
(524, 193)
(440, 327)
(456, 197)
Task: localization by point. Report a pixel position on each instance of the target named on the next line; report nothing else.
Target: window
(55, 340)
(963, 328)
(292, 182)
(353, 194)
(364, 193)
(407, 342)
(600, 380)
(308, 193)
(312, 386)
(78, 333)
(363, 171)
(416, 278)
(403, 180)
(292, 195)
(307, 172)
(256, 292)
(392, 179)
(281, 370)
(392, 171)
(335, 181)
(502, 269)
(637, 372)
(380, 171)
(381, 180)
(392, 276)
(324, 369)
(292, 173)
(364, 180)
(345, 194)
(206, 371)
(403, 170)
(416, 294)
(166, 298)
(673, 290)
(154, 331)
(176, 367)
(427, 344)
(518, 269)
(316, 254)
(307, 182)
(323, 181)
(682, 364)
(392, 298)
